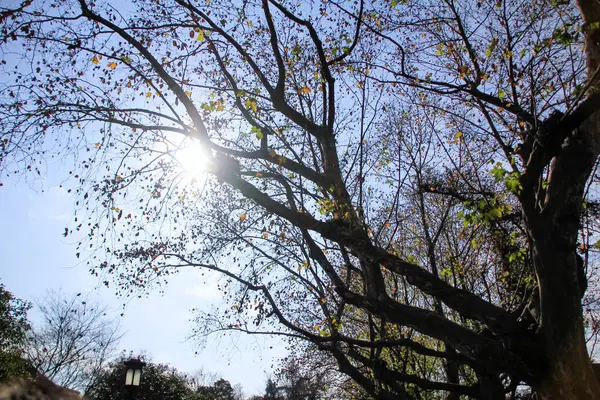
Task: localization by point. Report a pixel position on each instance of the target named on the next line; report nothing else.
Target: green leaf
(491, 47)
(498, 172)
(257, 132)
(501, 94)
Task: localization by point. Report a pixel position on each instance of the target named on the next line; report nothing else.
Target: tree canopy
(13, 334)
(159, 382)
(408, 185)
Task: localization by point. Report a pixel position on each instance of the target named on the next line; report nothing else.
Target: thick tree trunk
(568, 373)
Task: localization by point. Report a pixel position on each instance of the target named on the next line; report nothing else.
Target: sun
(192, 158)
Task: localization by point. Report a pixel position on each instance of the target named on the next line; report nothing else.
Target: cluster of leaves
(14, 327)
(159, 382)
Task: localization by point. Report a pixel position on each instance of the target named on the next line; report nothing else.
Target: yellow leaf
(188, 93)
(304, 90)
(200, 36)
(243, 217)
(94, 60)
(458, 135)
(251, 104)
(97, 145)
(112, 65)
(265, 235)
(148, 95)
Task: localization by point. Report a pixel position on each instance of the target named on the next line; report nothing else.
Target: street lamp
(134, 372)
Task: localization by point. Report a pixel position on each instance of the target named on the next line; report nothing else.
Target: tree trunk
(568, 373)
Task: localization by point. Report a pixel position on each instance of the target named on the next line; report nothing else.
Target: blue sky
(36, 257)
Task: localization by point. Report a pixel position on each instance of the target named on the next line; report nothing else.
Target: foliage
(221, 389)
(159, 382)
(296, 382)
(14, 327)
(74, 342)
(398, 183)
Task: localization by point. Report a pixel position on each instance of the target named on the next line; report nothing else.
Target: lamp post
(133, 375)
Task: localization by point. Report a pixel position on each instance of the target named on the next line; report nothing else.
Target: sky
(37, 258)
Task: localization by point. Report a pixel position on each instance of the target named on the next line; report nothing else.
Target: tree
(159, 382)
(410, 186)
(74, 343)
(13, 333)
(221, 389)
(271, 391)
(296, 382)
(307, 373)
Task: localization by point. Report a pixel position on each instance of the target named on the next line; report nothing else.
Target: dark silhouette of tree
(221, 389)
(271, 391)
(297, 383)
(408, 185)
(13, 334)
(159, 382)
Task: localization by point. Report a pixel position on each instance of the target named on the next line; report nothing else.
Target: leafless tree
(74, 342)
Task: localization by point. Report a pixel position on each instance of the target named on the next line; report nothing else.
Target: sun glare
(193, 159)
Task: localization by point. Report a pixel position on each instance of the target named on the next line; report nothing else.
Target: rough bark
(569, 373)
